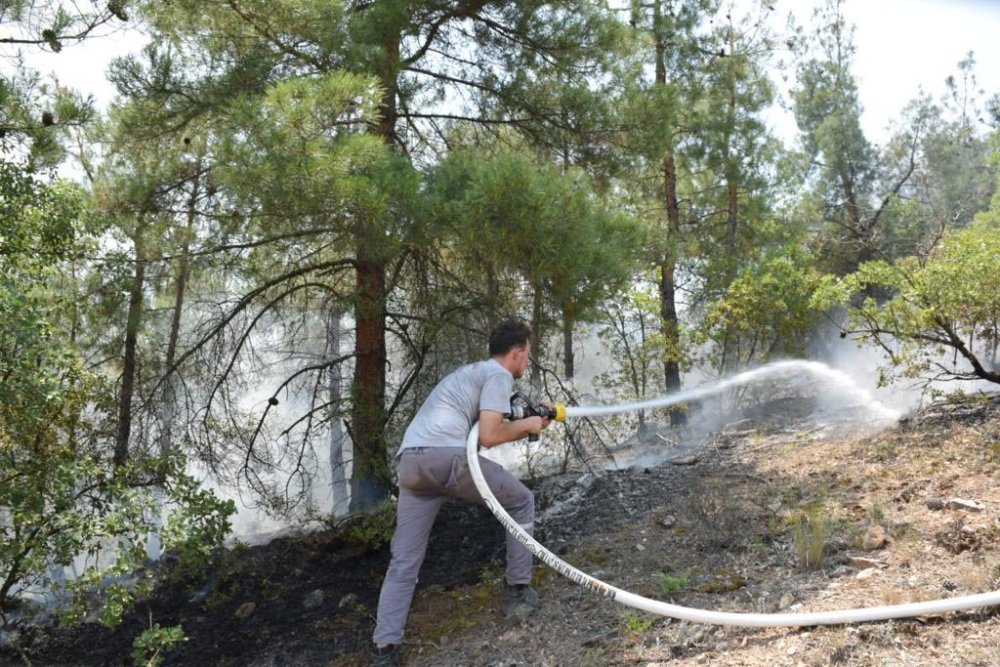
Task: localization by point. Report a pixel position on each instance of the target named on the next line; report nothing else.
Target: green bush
(375, 529)
(149, 647)
(672, 583)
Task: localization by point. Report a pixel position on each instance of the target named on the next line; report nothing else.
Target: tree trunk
(537, 340)
(168, 404)
(180, 288)
(370, 478)
(567, 333)
(668, 266)
(129, 363)
(668, 292)
(338, 459)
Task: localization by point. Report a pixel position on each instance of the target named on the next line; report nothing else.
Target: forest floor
(907, 513)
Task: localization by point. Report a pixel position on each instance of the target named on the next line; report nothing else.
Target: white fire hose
(699, 615)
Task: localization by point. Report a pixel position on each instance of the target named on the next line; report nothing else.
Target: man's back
(448, 413)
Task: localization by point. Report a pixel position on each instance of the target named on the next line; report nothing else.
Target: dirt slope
(909, 513)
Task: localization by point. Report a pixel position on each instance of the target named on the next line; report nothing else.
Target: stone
(862, 563)
(684, 460)
(246, 610)
(874, 538)
(964, 505)
(314, 599)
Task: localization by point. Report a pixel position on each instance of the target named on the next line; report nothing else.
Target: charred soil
(762, 517)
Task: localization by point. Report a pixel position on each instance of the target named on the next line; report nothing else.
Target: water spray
(687, 613)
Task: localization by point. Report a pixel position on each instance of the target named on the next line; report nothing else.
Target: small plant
(993, 450)
(723, 581)
(672, 583)
(374, 529)
(594, 657)
(492, 573)
(892, 596)
(636, 624)
(590, 557)
(812, 531)
(148, 648)
(757, 545)
(876, 514)
(884, 452)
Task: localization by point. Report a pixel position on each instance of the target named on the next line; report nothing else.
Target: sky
(902, 45)
(905, 44)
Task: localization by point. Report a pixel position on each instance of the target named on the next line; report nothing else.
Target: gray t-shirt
(447, 416)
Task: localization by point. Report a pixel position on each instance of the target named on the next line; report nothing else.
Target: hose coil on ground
(705, 616)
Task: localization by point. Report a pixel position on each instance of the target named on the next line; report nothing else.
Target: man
(433, 467)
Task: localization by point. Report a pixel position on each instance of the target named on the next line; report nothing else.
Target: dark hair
(507, 335)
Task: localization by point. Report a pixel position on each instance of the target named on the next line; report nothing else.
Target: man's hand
(494, 430)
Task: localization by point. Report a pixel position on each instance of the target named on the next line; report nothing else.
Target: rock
(246, 610)
(866, 574)
(684, 460)
(841, 571)
(787, 600)
(960, 538)
(668, 521)
(861, 563)
(964, 505)
(874, 538)
(695, 637)
(935, 504)
(314, 599)
(349, 600)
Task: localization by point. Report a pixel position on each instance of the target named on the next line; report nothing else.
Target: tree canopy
(298, 215)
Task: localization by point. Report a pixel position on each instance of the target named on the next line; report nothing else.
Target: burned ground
(723, 528)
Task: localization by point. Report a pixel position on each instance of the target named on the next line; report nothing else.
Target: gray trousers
(427, 477)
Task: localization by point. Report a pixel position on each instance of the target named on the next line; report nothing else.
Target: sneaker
(387, 656)
(519, 600)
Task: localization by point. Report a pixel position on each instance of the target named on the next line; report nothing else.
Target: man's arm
(493, 430)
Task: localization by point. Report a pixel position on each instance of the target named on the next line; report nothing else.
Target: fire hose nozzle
(555, 412)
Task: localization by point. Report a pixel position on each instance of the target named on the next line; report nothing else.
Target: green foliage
(198, 522)
(768, 310)
(63, 500)
(35, 113)
(148, 648)
(111, 530)
(672, 584)
(373, 529)
(510, 217)
(635, 623)
(946, 305)
(632, 333)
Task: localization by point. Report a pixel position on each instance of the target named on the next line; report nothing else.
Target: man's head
(510, 344)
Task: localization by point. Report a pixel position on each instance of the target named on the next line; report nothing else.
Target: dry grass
(847, 490)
